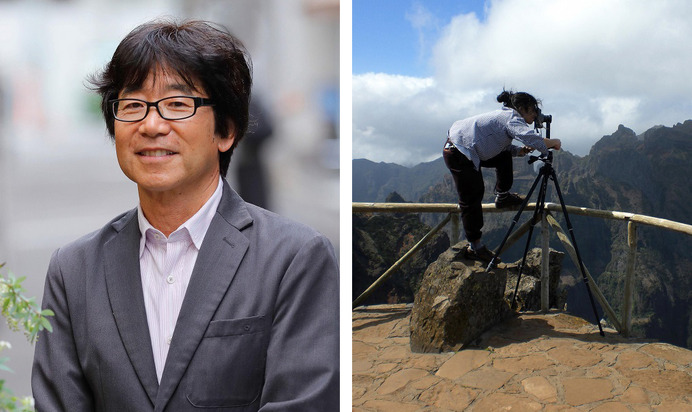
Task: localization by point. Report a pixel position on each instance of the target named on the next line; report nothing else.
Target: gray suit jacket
(258, 328)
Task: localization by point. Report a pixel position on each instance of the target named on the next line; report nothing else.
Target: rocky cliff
(645, 174)
(379, 240)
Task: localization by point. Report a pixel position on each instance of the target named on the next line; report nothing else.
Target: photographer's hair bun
(505, 97)
(517, 100)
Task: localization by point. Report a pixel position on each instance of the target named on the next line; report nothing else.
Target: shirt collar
(196, 226)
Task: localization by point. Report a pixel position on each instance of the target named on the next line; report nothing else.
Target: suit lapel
(218, 260)
(127, 300)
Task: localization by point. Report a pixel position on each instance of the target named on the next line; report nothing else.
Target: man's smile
(155, 153)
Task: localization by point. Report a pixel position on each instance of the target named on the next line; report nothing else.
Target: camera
(542, 118)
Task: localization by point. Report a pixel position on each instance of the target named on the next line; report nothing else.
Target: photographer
(485, 140)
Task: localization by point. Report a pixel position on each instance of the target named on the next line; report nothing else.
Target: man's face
(175, 156)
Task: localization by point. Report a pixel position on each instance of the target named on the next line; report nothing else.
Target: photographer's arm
(518, 129)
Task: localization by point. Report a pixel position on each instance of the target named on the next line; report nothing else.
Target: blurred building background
(59, 178)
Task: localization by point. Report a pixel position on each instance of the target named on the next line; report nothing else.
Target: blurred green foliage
(22, 314)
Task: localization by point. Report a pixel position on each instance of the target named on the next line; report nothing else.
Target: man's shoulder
(286, 241)
(275, 232)
(100, 236)
(268, 221)
(267, 232)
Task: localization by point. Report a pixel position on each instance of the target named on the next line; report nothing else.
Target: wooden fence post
(545, 263)
(455, 228)
(628, 300)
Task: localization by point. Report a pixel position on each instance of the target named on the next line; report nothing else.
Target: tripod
(546, 173)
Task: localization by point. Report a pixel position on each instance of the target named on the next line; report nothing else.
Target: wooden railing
(624, 325)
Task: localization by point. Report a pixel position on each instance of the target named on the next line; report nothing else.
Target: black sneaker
(483, 254)
(508, 200)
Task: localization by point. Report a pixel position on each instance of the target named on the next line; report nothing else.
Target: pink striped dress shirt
(166, 267)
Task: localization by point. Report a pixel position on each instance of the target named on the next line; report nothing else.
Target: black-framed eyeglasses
(169, 108)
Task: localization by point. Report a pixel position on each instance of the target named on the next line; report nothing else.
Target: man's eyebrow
(180, 87)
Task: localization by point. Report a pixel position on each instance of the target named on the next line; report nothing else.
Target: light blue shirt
(486, 135)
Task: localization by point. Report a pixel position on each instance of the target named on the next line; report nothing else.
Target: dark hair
(201, 54)
(517, 100)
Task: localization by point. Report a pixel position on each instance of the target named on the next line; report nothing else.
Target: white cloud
(422, 21)
(595, 64)
(404, 119)
(614, 109)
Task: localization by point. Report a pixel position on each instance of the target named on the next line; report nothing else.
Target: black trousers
(470, 187)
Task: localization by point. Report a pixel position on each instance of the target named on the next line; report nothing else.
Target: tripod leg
(576, 250)
(514, 222)
(540, 203)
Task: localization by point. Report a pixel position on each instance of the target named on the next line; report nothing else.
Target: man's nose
(153, 124)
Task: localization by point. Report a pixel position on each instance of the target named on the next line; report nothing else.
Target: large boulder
(529, 291)
(456, 302)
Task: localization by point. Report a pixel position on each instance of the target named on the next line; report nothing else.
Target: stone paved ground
(534, 362)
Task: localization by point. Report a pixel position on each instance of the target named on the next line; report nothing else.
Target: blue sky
(387, 34)
(420, 65)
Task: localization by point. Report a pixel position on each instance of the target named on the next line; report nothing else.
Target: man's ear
(224, 143)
